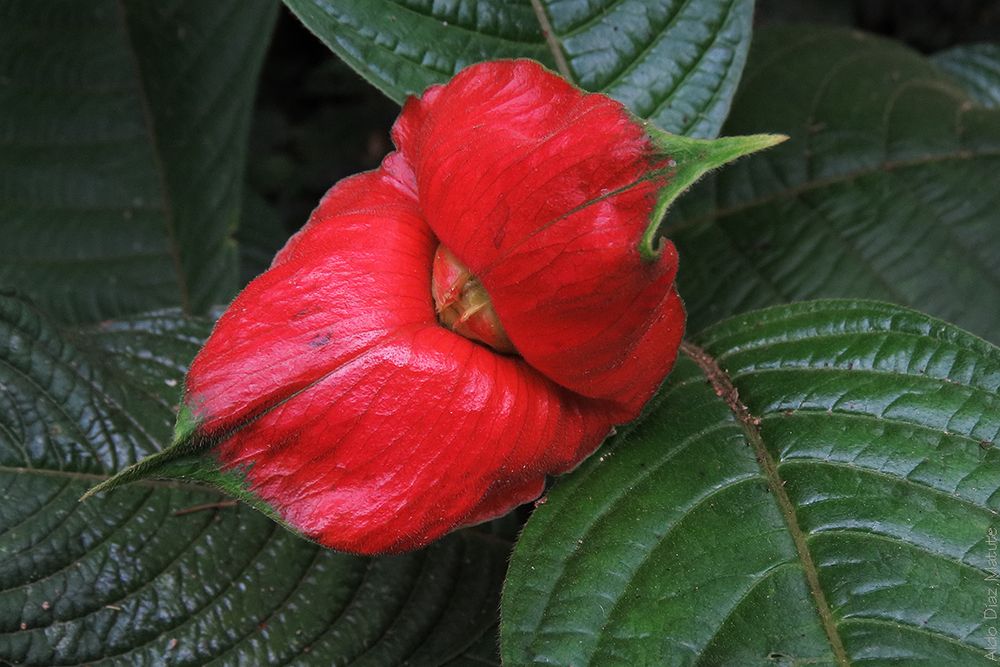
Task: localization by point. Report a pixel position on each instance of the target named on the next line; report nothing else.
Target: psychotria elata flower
(448, 330)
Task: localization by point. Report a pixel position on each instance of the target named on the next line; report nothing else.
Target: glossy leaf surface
(818, 484)
(163, 572)
(886, 189)
(977, 67)
(124, 128)
(674, 62)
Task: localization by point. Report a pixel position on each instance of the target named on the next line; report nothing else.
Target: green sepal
(185, 459)
(202, 469)
(179, 460)
(690, 159)
(186, 425)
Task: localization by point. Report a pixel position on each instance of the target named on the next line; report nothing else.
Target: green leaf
(977, 67)
(886, 189)
(124, 126)
(674, 62)
(169, 573)
(818, 485)
(260, 235)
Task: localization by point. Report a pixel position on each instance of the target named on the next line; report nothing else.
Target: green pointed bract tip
(186, 424)
(690, 159)
(185, 459)
(179, 456)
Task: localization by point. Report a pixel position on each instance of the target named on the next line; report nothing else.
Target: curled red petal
(353, 276)
(338, 399)
(543, 192)
(420, 434)
(333, 391)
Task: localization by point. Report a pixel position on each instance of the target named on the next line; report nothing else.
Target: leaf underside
(819, 484)
(168, 572)
(674, 62)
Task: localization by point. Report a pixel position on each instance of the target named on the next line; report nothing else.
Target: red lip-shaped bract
(334, 391)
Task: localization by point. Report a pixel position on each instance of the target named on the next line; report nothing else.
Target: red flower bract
(333, 389)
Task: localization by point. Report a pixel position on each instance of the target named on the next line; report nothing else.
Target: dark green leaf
(887, 188)
(977, 67)
(163, 573)
(673, 61)
(124, 127)
(486, 651)
(260, 235)
(819, 485)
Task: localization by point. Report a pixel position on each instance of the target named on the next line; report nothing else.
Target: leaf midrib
(552, 41)
(727, 391)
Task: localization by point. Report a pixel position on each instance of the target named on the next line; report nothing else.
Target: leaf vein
(725, 388)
